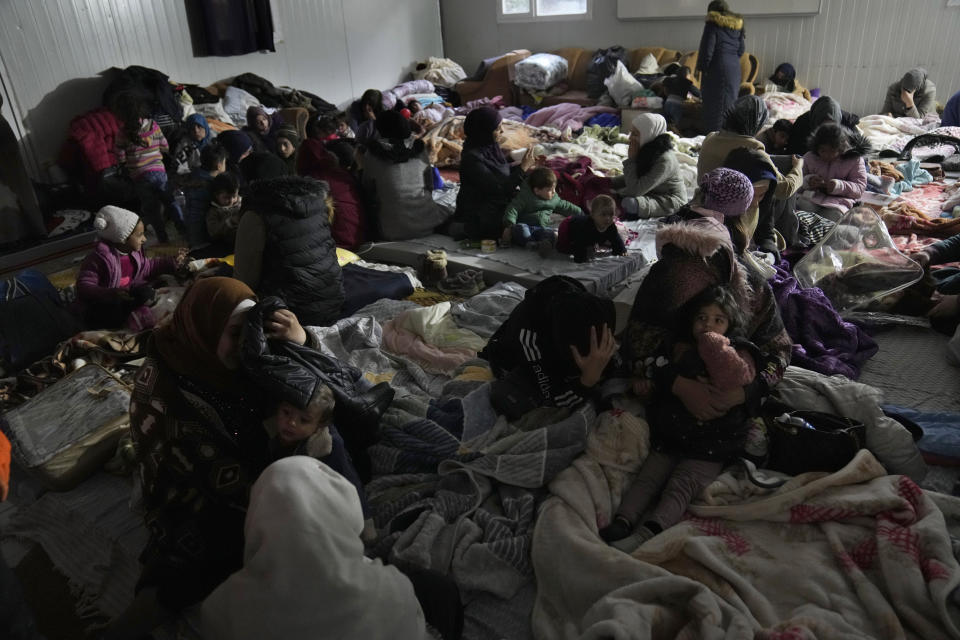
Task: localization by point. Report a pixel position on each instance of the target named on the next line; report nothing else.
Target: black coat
(299, 256)
(486, 189)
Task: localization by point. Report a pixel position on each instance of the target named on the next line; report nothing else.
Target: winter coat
(401, 196)
(196, 192)
(847, 176)
(924, 101)
(144, 155)
(349, 217)
(100, 272)
(721, 46)
(951, 112)
(91, 145)
(486, 188)
(692, 256)
(661, 178)
(222, 223)
(284, 248)
(528, 208)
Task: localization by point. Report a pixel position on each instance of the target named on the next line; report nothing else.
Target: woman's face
(228, 349)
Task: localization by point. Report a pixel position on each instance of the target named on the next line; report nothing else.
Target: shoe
(433, 267)
(619, 529)
(633, 541)
(463, 284)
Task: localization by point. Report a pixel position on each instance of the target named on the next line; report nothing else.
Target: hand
(907, 98)
(634, 148)
(948, 306)
(922, 258)
(123, 295)
(368, 113)
(507, 234)
(283, 325)
(642, 387)
(815, 181)
(529, 160)
(796, 161)
(592, 365)
(696, 397)
(727, 399)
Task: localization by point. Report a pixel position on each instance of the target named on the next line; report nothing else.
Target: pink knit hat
(726, 191)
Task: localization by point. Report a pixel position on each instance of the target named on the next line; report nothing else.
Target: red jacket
(349, 220)
(91, 145)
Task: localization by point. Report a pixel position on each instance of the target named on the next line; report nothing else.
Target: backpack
(603, 63)
(33, 321)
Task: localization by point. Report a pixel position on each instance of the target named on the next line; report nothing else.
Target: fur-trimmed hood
(859, 145)
(726, 20)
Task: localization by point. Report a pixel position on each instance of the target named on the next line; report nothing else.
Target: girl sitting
(835, 175)
(688, 453)
(113, 281)
(651, 185)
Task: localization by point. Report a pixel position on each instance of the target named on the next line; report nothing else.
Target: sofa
(496, 79)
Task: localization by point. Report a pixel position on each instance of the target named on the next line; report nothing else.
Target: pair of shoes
(633, 541)
(619, 529)
(466, 283)
(433, 267)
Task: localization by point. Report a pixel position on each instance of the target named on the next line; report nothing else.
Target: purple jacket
(847, 176)
(100, 272)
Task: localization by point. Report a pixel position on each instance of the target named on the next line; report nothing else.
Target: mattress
(512, 264)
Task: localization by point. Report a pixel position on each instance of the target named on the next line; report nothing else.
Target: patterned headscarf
(726, 191)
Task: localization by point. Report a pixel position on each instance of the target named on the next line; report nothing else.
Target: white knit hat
(115, 224)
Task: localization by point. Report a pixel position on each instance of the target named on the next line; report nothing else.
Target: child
(140, 146)
(262, 129)
(835, 175)
(223, 218)
(527, 217)
(687, 453)
(775, 138)
(287, 142)
(194, 137)
(196, 191)
(580, 235)
(112, 284)
(302, 432)
(677, 87)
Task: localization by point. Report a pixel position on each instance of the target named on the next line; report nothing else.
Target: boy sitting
(580, 235)
(775, 138)
(223, 217)
(527, 217)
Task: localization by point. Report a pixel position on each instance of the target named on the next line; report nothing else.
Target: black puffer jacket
(300, 256)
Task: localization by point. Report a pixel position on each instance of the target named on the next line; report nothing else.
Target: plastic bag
(857, 262)
(602, 64)
(541, 71)
(622, 86)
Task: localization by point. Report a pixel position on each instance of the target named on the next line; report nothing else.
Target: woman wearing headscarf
(825, 109)
(398, 180)
(651, 185)
(912, 96)
(201, 445)
(706, 248)
(487, 180)
(740, 127)
(784, 78)
(305, 575)
(262, 128)
(721, 46)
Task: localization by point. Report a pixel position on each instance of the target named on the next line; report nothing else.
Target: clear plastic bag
(857, 262)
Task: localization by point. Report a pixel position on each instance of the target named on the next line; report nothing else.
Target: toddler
(140, 147)
(526, 219)
(835, 175)
(113, 282)
(223, 218)
(303, 432)
(580, 235)
(194, 137)
(687, 454)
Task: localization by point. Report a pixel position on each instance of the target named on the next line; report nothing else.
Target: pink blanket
(565, 116)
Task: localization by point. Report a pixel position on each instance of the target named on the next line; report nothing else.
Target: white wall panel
(852, 50)
(52, 53)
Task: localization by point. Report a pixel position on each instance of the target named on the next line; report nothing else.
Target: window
(530, 10)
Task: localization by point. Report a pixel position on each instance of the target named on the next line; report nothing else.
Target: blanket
(787, 106)
(444, 142)
(565, 116)
(864, 555)
(888, 133)
(822, 341)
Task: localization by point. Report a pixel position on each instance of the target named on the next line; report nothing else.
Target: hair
(130, 108)
(226, 182)
(322, 400)
(372, 97)
(783, 125)
(541, 178)
(681, 71)
(345, 149)
(212, 155)
(603, 203)
(413, 101)
(829, 135)
(722, 297)
(320, 126)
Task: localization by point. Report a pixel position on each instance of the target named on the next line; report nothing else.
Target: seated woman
(201, 446)
(303, 524)
(912, 96)
(362, 116)
(784, 79)
(315, 160)
(835, 175)
(825, 109)
(398, 180)
(651, 185)
(487, 181)
(695, 254)
(262, 129)
(284, 247)
(742, 123)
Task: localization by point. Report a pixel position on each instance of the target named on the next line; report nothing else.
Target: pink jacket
(847, 176)
(100, 272)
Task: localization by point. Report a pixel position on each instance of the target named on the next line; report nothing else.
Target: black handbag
(802, 441)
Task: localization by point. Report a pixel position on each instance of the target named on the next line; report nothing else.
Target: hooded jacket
(528, 208)
(349, 218)
(924, 97)
(284, 248)
(694, 255)
(100, 272)
(847, 175)
(654, 172)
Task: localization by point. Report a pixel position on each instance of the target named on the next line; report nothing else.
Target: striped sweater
(144, 155)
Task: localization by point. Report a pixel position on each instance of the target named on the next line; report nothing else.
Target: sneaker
(633, 541)
(463, 284)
